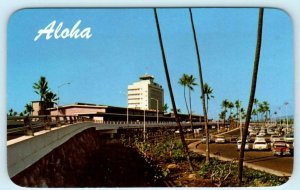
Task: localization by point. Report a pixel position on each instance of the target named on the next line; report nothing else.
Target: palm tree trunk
(185, 147)
(190, 100)
(202, 90)
(186, 104)
(252, 93)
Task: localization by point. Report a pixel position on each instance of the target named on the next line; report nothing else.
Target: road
(258, 158)
(263, 160)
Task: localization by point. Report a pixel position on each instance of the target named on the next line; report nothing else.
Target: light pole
(156, 108)
(58, 87)
(287, 121)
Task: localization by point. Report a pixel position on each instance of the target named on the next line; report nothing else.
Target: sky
(124, 45)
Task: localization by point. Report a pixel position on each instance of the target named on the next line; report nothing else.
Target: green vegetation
(46, 96)
(166, 154)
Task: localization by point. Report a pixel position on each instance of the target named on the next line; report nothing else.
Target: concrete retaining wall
(22, 153)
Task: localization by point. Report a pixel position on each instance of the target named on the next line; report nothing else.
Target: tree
(224, 106)
(207, 157)
(230, 106)
(264, 109)
(50, 99)
(238, 115)
(190, 84)
(41, 88)
(184, 144)
(252, 93)
(165, 107)
(208, 91)
(183, 81)
(28, 109)
(11, 112)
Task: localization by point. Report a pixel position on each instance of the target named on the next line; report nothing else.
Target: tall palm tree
(237, 104)
(207, 157)
(183, 81)
(252, 92)
(184, 144)
(190, 84)
(208, 91)
(41, 88)
(256, 102)
(238, 115)
(225, 105)
(230, 106)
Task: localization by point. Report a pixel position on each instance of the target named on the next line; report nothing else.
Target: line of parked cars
(261, 138)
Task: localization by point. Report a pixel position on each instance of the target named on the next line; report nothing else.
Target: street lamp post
(287, 121)
(156, 108)
(58, 87)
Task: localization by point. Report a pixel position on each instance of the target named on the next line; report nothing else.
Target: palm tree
(264, 109)
(225, 105)
(184, 144)
(230, 106)
(254, 112)
(50, 99)
(208, 91)
(190, 84)
(165, 107)
(237, 104)
(41, 88)
(252, 92)
(207, 157)
(183, 81)
(238, 114)
(28, 109)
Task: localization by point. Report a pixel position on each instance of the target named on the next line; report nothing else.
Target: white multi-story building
(145, 94)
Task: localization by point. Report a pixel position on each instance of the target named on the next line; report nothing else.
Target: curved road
(260, 160)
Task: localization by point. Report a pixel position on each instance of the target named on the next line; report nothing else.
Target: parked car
(252, 133)
(260, 144)
(289, 138)
(239, 144)
(203, 139)
(280, 148)
(274, 138)
(220, 139)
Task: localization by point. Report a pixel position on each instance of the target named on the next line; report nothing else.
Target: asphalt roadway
(260, 160)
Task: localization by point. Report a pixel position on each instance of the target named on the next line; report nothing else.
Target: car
(289, 138)
(239, 144)
(203, 139)
(252, 133)
(260, 144)
(274, 138)
(233, 138)
(280, 148)
(220, 139)
(270, 131)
